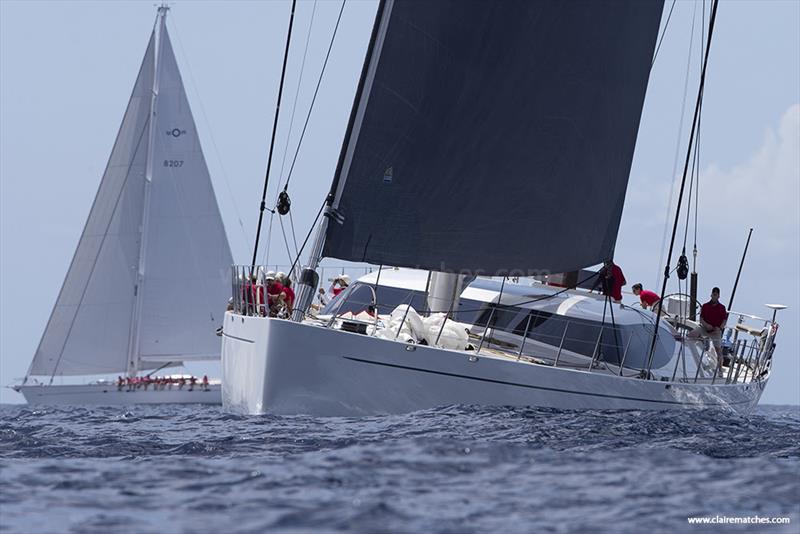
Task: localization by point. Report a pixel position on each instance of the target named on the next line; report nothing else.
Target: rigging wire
(700, 91)
(296, 95)
(272, 141)
(285, 240)
(308, 235)
(663, 33)
(305, 124)
(697, 180)
(678, 143)
(314, 98)
(294, 234)
(265, 254)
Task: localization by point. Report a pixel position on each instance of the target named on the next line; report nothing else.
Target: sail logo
(176, 132)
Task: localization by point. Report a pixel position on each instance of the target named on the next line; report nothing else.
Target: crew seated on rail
(713, 317)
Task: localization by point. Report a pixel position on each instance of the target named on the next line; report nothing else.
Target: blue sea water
(451, 469)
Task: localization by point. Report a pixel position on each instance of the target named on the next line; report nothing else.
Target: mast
(136, 316)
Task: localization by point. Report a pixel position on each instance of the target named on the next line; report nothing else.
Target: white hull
(278, 366)
(110, 394)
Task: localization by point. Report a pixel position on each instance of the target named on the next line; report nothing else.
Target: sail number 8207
(173, 163)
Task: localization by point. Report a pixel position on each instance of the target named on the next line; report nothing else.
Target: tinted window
(358, 297)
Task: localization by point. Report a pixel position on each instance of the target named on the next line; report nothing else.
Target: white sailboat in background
(149, 280)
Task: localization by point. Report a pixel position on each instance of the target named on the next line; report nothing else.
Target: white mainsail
(149, 279)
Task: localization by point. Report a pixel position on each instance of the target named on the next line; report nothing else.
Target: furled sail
(187, 256)
(493, 137)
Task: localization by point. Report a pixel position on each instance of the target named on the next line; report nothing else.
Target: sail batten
(493, 137)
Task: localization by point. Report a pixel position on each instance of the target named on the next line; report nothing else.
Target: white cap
(270, 275)
(345, 278)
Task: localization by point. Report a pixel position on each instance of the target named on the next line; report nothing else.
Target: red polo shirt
(289, 295)
(273, 291)
(648, 297)
(618, 280)
(713, 314)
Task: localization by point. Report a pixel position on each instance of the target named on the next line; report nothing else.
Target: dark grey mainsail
(493, 137)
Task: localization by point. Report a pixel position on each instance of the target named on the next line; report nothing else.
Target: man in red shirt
(253, 296)
(612, 280)
(274, 290)
(647, 298)
(288, 296)
(339, 284)
(713, 317)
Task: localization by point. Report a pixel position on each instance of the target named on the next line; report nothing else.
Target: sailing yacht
(487, 154)
(148, 284)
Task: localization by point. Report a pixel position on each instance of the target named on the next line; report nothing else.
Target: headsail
(188, 259)
(89, 326)
(493, 137)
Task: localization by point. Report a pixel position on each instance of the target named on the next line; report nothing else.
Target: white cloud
(762, 192)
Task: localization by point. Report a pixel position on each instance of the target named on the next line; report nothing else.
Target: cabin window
(358, 298)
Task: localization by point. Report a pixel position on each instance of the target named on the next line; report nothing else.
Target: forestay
(493, 137)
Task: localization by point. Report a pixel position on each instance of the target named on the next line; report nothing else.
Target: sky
(67, 69)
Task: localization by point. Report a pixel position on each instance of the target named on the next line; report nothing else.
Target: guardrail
(545, 338)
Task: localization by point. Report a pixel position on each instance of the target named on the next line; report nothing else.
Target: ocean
(457, 469)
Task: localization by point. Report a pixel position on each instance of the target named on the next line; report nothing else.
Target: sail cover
(187, 257)
(493, 137)
(89, 327)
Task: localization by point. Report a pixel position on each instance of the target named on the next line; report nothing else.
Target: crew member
(274, 290)
(339, 284)
(647, 298)
(713, 317)
(288, 296)
(253, 296)
(322, 298)
(612, 280)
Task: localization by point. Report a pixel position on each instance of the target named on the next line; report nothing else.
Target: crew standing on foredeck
(612, 280)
